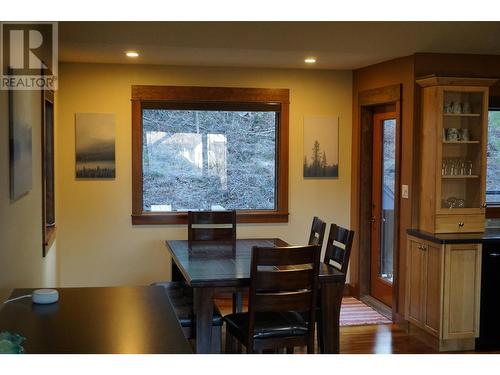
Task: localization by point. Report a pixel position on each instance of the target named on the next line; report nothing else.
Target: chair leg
(216, 340)
(237, 302)
(310, 348)
(229, 343)
(319, 334)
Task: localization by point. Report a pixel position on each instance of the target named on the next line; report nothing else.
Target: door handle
(372, 219)
(494, 255)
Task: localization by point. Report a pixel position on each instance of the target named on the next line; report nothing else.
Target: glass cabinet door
(462, 151)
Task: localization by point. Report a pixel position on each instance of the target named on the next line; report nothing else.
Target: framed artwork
(21, 119)
(321, 147)
(95, 145)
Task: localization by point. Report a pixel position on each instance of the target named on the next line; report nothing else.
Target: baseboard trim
(453, 345)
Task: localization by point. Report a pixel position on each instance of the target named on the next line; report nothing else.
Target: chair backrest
(283, 279)
(212, 226)
(338, 247)
(317, 232)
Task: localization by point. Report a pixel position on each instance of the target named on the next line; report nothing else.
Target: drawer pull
(461, 224)
(494, 255)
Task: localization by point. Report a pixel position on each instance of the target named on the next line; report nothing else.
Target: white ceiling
(336, 45)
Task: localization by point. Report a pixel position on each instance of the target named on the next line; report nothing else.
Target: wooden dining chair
(203, 226)
(317, 233)
(338, 248)
(337, 254)
(217, 226)
(282, 300)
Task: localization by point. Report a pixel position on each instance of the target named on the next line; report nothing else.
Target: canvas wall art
(321, 147)
(22, 116)
(95, 145)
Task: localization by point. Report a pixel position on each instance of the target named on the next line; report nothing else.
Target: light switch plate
(404, 191)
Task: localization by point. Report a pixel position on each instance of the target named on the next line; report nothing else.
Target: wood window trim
(142, 95)
(48, 231)
(493, 211)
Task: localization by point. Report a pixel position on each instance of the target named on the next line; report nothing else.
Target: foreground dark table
(97, 320)
(213, 267)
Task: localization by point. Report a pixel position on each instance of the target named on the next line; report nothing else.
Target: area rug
(353, 312)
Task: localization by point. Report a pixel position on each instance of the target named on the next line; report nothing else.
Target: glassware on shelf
(469, 168)
(454, 202)
(456, 167)
(451, 202)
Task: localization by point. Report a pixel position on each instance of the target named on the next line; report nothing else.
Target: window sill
(163, 218)
(493, 212)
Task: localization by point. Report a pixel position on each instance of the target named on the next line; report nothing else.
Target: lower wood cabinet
(443, 290)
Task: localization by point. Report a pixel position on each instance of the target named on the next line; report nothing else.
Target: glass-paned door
(383, 204)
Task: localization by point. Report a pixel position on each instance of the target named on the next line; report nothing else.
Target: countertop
(490, 235)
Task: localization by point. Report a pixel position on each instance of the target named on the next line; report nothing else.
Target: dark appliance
(489, 330)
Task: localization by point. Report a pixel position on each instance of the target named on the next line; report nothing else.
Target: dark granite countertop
(490, 235)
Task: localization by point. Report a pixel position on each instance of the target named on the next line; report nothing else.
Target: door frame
(368, 102)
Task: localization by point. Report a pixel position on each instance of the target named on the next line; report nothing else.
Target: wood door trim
(362, 111)
(380, 95)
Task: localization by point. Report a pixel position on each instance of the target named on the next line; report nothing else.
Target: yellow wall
(21, 261)
(96, 242)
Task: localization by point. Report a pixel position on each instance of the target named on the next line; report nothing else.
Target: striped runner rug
(353, 312)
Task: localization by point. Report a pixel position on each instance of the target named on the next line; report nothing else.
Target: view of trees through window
(209, 159)
(493, 158)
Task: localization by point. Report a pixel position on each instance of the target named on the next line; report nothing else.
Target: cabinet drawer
(459, 223)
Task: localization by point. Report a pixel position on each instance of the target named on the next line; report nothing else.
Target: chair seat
(181, 296)
(267, 325)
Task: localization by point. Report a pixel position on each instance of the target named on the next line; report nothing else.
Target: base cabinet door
(443, 292)
(414, 282)
(432, 285)
(462, 283)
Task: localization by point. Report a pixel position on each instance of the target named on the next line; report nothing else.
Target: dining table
(212, 267)
(102, 320)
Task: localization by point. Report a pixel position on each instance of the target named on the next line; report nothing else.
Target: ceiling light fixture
(132, 54)
(310, 60)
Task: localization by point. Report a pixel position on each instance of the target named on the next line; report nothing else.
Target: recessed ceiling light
(132, 54)
(310, 60)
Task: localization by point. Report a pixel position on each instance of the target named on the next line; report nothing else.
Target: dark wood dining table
(212, 267)
(114, 320)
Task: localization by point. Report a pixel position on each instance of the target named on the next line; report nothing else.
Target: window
(493, 164)
(198, 148)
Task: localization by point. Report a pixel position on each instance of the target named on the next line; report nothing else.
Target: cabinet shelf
(460, 176)
(462, 114)
(461, 142)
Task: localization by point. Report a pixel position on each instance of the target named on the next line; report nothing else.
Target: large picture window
(198, 148)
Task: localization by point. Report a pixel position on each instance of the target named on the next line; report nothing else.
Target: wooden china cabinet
(443, 268)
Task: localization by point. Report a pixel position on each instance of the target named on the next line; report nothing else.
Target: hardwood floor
(373, 339)
(380, 339)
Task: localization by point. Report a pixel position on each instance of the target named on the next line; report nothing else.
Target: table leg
(203, 309)
(331, 300)
(237, 302)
